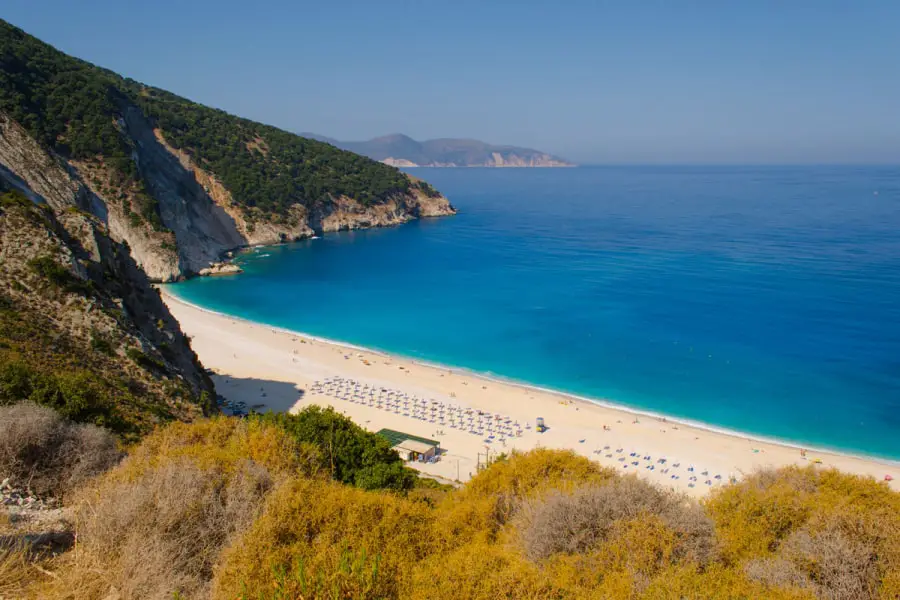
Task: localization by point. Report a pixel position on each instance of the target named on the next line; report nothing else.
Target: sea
(763, 300)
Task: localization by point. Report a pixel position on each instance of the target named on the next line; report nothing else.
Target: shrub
(15, 381)
(15, 199)
(352, 454)
(75, 394)
(101, 344)
(230, 508)
(828, 562)
(356, 576)
(158, 535)
(491, 498)
(835, 534)
(579, 521)
(155, 526)
(50, 455)
(308, 527)
(633, 552)
(60, 276)
(715, 582)
(482, 572)
(753, 516)
(788, 498)
(224, 443)
(427, 189)
(144, 360)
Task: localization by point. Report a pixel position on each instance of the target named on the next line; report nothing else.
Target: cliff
(178, 182)
(81, 329)
(399, 150)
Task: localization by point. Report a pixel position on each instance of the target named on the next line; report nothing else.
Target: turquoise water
(765, 300)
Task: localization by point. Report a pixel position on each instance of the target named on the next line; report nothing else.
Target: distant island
(400, 150)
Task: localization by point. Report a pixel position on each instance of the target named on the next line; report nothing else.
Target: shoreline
(593, 406)
(524, 385)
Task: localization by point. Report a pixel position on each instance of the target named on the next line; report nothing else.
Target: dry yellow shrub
(224, 443)
(890, 585)
(318, 538)
(754, 515)
(834, 534)
(522, 474)
(493, 496)
(622, 565)
(155, 525)
(237, 510)
(716, 582)
(864, 510)
(643, 545)
(481, 571)
(578, 521)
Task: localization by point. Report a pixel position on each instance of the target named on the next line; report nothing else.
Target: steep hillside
(403, 151)
(178, 181)
(82, 330)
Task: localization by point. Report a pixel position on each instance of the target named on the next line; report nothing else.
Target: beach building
(411, 450)
(411, 447)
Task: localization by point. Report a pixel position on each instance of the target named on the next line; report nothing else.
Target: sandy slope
(270, 369)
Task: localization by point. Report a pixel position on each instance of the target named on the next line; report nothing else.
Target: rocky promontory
(220, 268)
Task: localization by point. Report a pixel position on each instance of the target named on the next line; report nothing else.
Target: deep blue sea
(764, 300)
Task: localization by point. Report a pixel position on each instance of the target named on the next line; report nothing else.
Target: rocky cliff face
(512, 159)
(345, 214)
(74, 301)
(198, 218)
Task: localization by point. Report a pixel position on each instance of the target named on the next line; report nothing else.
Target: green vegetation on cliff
(265, 167)
(64, 103)
(74, 108)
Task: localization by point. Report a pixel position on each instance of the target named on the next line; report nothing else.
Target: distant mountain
(402, 151)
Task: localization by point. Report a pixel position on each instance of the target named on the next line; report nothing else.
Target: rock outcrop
(221, 268)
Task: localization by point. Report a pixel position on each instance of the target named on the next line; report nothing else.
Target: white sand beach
(269, 369)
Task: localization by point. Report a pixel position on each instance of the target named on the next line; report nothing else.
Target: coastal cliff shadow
(241, 395)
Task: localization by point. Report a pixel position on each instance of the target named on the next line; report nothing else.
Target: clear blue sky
(609, 82)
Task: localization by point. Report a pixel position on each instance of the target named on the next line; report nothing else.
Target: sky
(610, 82)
